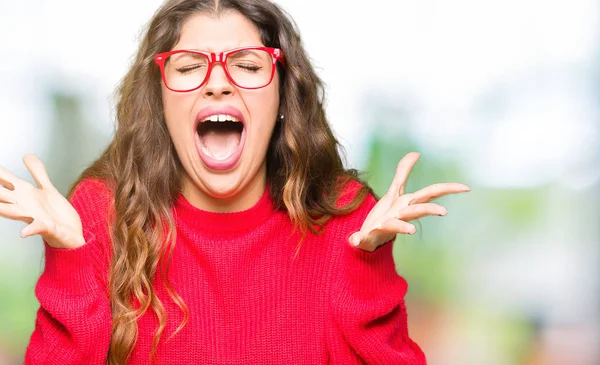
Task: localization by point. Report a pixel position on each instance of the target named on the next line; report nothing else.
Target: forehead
(206, 32)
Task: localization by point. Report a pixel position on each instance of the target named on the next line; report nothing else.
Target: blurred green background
(502, 96)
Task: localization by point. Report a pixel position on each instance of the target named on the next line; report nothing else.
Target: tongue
(221, 143)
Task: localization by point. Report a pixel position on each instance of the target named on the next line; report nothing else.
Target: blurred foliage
(17, 307)
(518, 207)
(74, 144)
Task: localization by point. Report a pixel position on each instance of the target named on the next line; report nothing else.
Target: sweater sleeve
(73, 322)
(367, 309)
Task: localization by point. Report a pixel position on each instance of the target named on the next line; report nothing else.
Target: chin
(222, 186)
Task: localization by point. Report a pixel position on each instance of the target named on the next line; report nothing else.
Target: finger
(402, 171)
(361, 241)
(6, 196)
(416, 211)
(7, 179)
(13, 211)
(384, 232)
(394, 225)
(35, 227)
(38, 171)
(435, 191)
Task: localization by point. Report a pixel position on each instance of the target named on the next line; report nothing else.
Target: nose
(218, 83)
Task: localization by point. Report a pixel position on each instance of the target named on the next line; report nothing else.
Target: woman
(216, 227)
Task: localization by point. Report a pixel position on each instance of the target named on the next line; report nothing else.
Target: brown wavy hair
(140, 165)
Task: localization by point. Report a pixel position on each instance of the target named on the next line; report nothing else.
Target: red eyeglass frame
(221, 57)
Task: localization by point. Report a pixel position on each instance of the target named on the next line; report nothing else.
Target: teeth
(221, 118)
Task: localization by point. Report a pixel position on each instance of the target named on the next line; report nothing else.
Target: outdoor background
(502, 95)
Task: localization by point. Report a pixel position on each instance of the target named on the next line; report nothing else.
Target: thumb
(356, 238)
(35, 227)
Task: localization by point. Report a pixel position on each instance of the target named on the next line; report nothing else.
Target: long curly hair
(304, 167)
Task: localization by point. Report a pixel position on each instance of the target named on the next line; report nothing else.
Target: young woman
(220, 226)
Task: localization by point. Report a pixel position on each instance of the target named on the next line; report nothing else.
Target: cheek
(176, 107)
(264, 106)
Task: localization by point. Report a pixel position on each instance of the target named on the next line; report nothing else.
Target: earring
(281, 117)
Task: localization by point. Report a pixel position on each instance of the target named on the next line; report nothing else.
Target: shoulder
(91, 190)
(92, 199)
(356, 200)
(89, 186)
(365, 199)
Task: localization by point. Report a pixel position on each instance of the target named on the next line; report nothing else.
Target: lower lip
(227, 164)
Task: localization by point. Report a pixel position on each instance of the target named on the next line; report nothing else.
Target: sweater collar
(215, 222)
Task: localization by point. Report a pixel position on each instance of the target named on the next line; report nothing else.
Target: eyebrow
(246, 52)
(187, 54)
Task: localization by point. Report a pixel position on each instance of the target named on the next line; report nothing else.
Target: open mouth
(221, 140)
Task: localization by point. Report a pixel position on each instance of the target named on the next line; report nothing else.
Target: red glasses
(247, 68)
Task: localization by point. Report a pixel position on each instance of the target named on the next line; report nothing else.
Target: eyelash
(185, 70)
(249, 67)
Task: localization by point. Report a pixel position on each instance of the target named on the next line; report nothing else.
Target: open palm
(45, 210)
(393, 212)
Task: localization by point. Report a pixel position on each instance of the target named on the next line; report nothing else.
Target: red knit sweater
(250, 300)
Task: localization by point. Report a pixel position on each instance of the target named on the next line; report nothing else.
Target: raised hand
(393, 212)
(45, 210)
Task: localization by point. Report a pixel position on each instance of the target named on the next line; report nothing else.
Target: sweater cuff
(71, 271)
(371, 272)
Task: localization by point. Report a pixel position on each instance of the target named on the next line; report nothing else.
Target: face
(224, 163)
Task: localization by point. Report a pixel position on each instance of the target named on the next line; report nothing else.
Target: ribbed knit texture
(251, 299)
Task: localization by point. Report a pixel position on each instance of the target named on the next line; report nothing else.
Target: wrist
(65, 240)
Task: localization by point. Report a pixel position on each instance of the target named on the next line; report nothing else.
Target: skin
(241, 187)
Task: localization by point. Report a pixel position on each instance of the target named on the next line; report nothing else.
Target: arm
(73, 323)
(368, 315)
(367, 300)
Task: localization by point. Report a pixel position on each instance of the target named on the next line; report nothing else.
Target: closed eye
(247, 67)
(188, 69)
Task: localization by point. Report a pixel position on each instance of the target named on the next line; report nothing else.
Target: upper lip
(221, 109)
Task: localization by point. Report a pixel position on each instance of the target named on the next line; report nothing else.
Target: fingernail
(354, 241)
